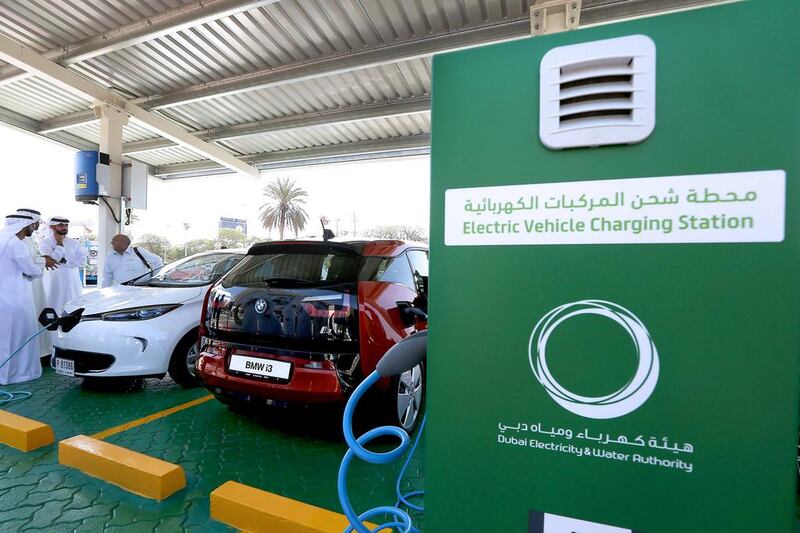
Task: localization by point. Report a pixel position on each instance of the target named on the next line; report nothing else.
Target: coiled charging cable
(403, 356)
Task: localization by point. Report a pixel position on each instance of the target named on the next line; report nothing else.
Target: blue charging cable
(7, 396)
(404, 499)
(403, 356)
(50, 320)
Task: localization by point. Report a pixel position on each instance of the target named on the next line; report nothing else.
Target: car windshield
(191, 272)
(309, 268)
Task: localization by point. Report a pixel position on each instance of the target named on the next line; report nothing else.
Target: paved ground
(293, 453)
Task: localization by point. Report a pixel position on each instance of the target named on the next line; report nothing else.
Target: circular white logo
(627, 399)
(261, 305)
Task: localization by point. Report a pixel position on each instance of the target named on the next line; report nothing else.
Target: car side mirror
(421, 302)
(409, 313)
(423, 285)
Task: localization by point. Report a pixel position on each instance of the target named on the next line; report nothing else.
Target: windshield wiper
(137, 278)
(279, 281)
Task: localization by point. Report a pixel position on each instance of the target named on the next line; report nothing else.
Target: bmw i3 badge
(261, 306)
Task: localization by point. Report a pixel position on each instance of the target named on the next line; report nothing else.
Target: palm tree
(284, 209)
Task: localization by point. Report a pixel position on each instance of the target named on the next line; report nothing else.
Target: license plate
(260, 367)
(65, 367)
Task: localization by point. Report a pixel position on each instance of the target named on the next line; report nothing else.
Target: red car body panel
(308, 385)
(380, 324)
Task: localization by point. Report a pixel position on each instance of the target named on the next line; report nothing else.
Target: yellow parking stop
(24, 433)
(133, 471)
(250, 509)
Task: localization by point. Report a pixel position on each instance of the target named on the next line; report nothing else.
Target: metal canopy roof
(275, 83)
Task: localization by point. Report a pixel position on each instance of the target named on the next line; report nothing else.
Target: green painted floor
(294, 453)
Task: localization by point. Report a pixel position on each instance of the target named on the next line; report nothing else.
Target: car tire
(405, 399)
(181, 364)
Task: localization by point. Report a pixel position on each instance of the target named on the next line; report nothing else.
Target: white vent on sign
(598, 93)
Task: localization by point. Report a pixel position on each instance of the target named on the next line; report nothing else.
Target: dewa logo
(627, 399)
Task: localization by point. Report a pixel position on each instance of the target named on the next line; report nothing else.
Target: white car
(144, 328)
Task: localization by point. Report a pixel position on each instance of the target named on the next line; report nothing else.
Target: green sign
(616, 314)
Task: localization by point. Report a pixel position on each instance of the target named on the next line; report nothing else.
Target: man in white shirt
(127, 262)
(16, 302)
(62, 281)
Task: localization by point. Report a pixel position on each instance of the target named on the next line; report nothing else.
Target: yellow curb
(254, 510)
(133, 471)
(23, 433)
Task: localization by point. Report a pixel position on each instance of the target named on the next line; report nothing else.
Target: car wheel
(181, 364)
(406, 397)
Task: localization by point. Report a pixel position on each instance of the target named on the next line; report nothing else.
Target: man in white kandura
(16, 303)
(126, 262)
(62, 281)
(44, 342)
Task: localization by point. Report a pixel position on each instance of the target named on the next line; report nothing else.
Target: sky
(38, 174)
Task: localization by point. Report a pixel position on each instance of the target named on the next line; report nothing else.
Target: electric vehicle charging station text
(626, 358)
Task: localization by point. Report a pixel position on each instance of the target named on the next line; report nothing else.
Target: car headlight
(139, 313)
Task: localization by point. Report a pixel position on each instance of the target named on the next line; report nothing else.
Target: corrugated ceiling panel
(288, 32)
(390, 82)
(283, 33)
(131, 132)
(364, 130)
(136, 132)
(165, 156)
(44, 24)
(39, 99)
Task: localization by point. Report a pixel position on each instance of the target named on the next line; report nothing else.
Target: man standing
(127, 262)
(62, 281)
(44, 342)
(16, 302)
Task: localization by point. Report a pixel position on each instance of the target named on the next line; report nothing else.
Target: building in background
(233, 223)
